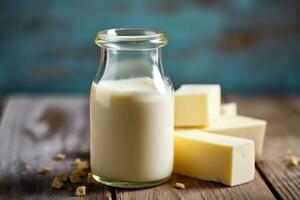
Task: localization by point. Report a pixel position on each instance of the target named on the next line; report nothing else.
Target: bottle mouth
(131, 39)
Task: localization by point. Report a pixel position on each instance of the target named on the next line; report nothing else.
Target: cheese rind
(197, 105)
(240, 126)
(207, 156)
(229, 109)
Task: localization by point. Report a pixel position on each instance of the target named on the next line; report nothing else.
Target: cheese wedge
(240, 126)
(213, 157)
(197, 105)
(229, 109)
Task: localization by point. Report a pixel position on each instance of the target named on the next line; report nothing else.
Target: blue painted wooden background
(249, 46)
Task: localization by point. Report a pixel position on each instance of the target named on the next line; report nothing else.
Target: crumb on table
(45, 171)
(57, 183)
(59, 157)
(80, 191)
(179, 185)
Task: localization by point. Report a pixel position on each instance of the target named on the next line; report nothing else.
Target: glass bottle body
(131, 113)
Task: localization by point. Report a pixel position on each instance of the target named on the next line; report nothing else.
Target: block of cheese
(197, 105)
(240, 126)
(213, 157)
(229, 109)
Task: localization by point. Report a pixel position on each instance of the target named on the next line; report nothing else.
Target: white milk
(131, 130)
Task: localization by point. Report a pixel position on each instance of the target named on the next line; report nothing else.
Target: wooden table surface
(68, 121)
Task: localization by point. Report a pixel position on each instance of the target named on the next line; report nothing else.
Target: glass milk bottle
(131, 110)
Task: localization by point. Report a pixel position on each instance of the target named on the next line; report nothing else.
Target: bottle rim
(131, 39)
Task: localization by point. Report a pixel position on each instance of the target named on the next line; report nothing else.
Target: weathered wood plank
(283, 180)
(196, 189)
(67, 119)
(283, 135)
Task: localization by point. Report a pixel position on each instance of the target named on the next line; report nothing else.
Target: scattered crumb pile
(63, 179)
(76, 175)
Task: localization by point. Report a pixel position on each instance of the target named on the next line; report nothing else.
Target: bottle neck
(118, 64)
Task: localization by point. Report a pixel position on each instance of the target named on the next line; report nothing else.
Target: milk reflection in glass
(131, 130)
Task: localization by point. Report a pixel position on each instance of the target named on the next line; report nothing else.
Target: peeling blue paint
(248, 46)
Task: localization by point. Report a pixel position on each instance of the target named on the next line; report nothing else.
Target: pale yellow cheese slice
(229, 109)
(197, 105)
(225, 159)
(240, 126)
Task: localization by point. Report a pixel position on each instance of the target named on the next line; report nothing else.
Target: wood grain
(196, 189)
(283, 180)
(68, 119)
(283, 135)
(68, 133)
